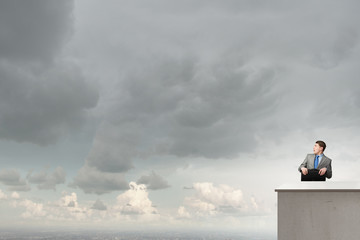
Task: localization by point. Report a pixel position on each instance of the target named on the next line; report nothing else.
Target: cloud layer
(153, 181)
(90, 180)
(132, 204)
(44, 180)
(12, 179)
(186, 92)
(34, 30)
(43, 96)
(215, 80)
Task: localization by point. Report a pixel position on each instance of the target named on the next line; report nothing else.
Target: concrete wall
(319, 211)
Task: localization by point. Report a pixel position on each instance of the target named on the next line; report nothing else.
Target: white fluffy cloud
(33, 210)
(65, 209)
(68, 207)
(133, 204)
(183, 213)
(15, 195)
(222, 195)
(68, 200)
(210, 200)
(135, 201)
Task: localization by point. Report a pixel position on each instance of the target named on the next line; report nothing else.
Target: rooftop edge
(319, 187)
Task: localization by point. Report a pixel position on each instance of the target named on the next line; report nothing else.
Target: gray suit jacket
(325, 162)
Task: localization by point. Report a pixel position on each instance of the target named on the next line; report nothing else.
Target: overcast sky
(171, 114)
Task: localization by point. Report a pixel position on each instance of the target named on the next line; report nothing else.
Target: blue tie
(316, 161)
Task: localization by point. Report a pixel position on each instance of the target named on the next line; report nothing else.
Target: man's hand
(322, 171)
(304, 170)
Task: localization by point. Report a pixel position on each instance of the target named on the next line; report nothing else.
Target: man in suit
(317, 161)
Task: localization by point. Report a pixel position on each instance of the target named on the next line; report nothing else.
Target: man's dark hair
(321, 144)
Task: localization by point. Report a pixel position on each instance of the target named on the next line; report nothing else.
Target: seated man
(317, 161)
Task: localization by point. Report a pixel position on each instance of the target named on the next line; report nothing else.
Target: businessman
(317, 161)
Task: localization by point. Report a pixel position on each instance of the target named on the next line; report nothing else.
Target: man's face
(317, 149)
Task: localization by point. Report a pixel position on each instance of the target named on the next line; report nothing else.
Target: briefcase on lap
(313, 175)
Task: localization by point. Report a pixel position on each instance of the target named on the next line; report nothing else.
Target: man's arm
(304, 164)
(329, 170)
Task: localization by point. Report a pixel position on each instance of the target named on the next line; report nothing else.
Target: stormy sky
(171, 114)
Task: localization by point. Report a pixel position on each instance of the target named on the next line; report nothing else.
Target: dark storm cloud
(212, 80)
(99, 205)
(42, 96)
(111, 156)
(45, 180)
(184, 108)
(12, 179)
(153, 181)
(90, 180)
(34, 30)
(112, 149)
(41, 106)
